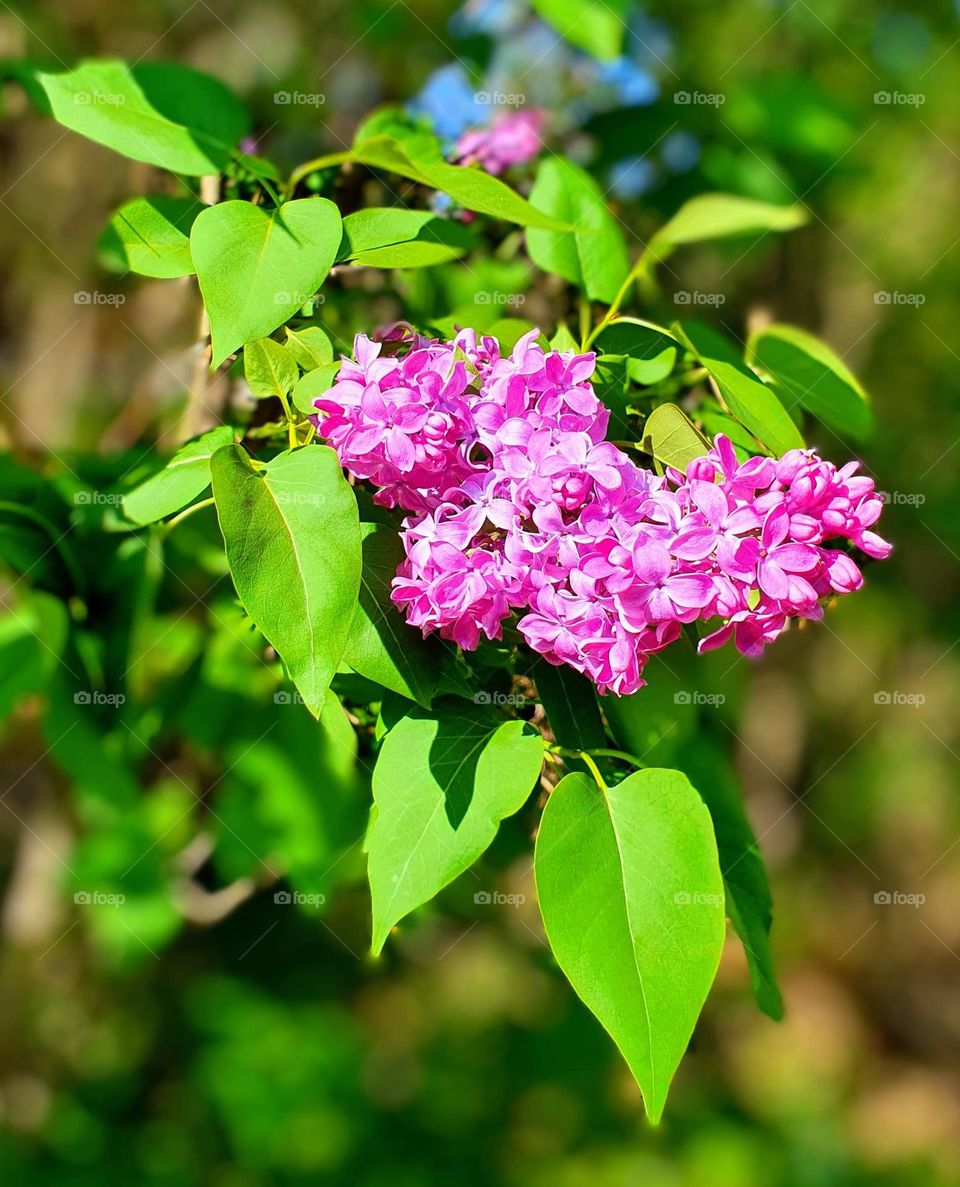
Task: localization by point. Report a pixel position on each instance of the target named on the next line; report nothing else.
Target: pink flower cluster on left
(519, 504)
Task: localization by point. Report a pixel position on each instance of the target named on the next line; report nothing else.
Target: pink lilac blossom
(520, 506)
(512, 139)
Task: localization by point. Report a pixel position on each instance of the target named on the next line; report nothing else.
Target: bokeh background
(205, 1033)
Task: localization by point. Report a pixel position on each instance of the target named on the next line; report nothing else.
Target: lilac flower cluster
(519, 504)
(513, 138)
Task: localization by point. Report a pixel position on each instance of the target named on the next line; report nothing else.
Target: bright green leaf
(256, 268)
(387, 237)
(292, 534)
(596, 26)
(594, 255)
(470, 188)
(442, 784)
(311, 347)
(164, 114)
(632, 901)
(563, 340)
(185, 476)
(268, 368)
(150, 236)
(314, 384)
(672, 438)
(720, 216)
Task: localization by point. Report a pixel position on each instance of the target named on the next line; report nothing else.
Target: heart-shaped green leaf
(632, 901)
(256, 268)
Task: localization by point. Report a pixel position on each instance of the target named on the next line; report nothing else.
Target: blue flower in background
(680, 151)
(632, 177)
(449, 100)
(631, 84)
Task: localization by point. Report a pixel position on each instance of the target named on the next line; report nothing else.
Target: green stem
(638, 270)
(262, 180)
(584, 757)
(185, 514)
(308, 167)
(587, 758)
(585, 318)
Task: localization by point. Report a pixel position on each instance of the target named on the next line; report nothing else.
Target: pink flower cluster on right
(520, 505)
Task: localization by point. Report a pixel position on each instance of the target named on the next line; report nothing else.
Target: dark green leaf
(748, 893)
(381, 646)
